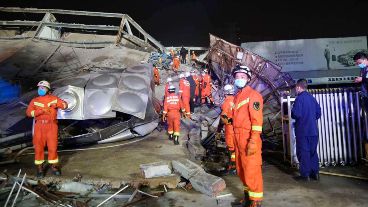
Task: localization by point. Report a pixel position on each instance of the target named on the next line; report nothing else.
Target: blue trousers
(306, 151)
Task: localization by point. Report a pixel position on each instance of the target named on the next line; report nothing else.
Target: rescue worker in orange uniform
(206, 90)
(197, 81)
(226, 118)
(247, 124)
(176, 64)
(172, 53)
(168, 83)
(184, 92)
(44, 110)
(171, 114)
(156, 75)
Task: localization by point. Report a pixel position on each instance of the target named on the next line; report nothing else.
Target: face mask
(41, 92)
(362, 65)
(240, 83)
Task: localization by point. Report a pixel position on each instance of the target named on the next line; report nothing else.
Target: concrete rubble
(200, 180)
(156, 169)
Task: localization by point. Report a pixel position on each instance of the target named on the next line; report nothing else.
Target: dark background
(188, 22)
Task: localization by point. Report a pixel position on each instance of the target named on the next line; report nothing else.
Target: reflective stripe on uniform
(242, 103)
(39, 162)
(53, 161)
(164, 112)
(232, 156)
(177, 133)
(255, 195)
(52, 102)
(38, 104)
(257, 128)
(33, 113)
(232, 105)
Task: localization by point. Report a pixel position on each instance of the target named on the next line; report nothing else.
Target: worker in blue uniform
(306, 111)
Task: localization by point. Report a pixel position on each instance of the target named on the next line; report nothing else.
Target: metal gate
(342, 127)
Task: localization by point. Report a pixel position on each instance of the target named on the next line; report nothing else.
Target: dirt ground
(122, 163)
(119, 162)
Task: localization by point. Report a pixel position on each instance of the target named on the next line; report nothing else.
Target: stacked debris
(22, 191)
(267, 79)
(161, 60)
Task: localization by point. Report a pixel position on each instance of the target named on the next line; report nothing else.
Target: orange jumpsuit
(176, 64)
(227, 113)
(44, 110)
(247, 123)
(184, 91)
(197, 82)
(172, 53)
(156, 76)
(172, 106)
(206, 88)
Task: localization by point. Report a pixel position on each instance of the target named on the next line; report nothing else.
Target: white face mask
(240, 83)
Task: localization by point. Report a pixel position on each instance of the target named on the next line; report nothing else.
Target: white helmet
(181, 75)
(44, 84)
(242, 69)
(169, 79)
(187, 74)
(229, 89)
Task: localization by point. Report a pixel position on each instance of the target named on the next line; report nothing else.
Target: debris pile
(22, 191)
(161, 60)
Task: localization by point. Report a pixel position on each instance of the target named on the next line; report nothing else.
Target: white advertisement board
(310, 54)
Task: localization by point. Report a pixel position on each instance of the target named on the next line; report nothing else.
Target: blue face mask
(41, 92)
(240, 83)
(362, 65)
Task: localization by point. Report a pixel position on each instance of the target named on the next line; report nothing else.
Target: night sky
(188, 22)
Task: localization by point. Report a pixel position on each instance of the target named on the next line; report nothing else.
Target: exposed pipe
(15, 136)
(112, 195)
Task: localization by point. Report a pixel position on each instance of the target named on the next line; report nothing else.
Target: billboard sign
(310, 54)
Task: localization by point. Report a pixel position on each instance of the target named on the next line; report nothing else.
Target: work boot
(245, 202)
(255, 204)
(40, 171)
(55, 169)
(176, 140)
(315, 177)
(170, 137)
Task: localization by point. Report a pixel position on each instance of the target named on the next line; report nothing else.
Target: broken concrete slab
(195, 130)
(170, 181)
(208, 184)
(156, 169)
(204, 130)
(186, 168)
(196, 150)
(76, 187)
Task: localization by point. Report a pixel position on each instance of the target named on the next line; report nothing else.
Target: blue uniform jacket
(305, 111)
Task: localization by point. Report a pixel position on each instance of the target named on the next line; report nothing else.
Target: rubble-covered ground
(117, 164)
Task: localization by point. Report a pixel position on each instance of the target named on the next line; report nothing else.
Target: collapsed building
(100, 76)
(104, 72)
